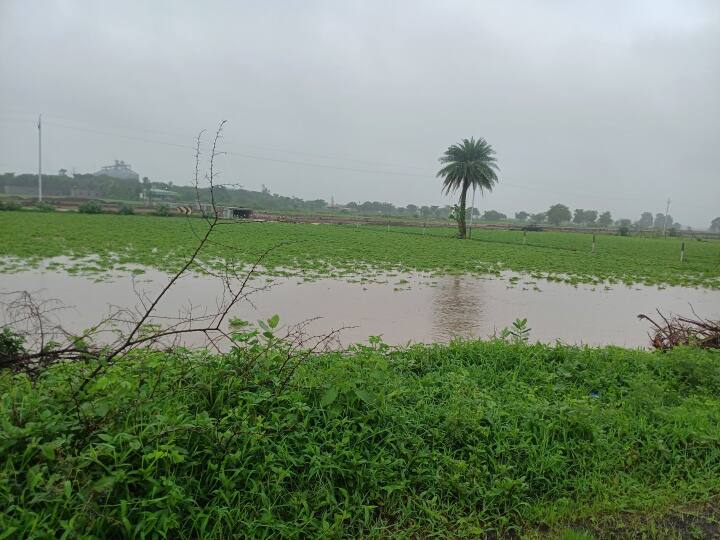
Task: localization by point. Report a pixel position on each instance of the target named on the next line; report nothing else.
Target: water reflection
(457, 308)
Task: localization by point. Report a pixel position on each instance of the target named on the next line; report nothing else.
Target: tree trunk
(462, 229)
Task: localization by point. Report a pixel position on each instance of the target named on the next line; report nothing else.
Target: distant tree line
(105, 187)
(89, 186)
(559, 214)
(61, 185)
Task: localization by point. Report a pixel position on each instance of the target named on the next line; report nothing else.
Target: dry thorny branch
(127, 329)
(676, 330)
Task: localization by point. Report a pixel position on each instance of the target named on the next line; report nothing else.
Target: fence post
(388, 230)
(593, 246)
(524, 236)
(682, 252)
(424, 226)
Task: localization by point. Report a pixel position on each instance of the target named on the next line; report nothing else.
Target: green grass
(340, 250)
(433, 441)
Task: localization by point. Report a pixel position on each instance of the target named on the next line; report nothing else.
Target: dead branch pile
(676, 330)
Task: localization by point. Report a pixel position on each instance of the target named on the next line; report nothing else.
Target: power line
(245, 155)
(318, 165)
(325, 166)
(265, 148)
(335, 158)
(129, 137)
(238, 154)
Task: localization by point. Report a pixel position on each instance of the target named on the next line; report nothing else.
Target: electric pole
(667, 209)
(40, 158)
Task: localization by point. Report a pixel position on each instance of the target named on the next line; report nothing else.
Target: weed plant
(459, 440)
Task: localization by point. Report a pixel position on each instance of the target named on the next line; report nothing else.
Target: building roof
(118, 170)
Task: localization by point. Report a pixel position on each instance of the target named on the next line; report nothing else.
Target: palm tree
(470, 163)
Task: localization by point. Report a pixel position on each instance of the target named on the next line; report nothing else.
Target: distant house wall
(160, 195)
(31, 189)
(82, 193)
(21, 190)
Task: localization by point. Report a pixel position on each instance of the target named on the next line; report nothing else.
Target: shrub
(44, 207)
(90, 207)
(126, 210)
(163, 210)
(9, 205)
(11, 346)
(623, 231)
(459, 440)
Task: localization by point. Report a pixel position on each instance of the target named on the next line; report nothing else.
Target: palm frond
(472, 161)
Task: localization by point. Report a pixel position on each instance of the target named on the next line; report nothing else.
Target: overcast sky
(604, 105)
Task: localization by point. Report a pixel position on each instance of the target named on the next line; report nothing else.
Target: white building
(119, 170)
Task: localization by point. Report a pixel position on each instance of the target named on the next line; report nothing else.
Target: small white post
(40, 158)
(593, 246)
(524, 236)
(682, 252)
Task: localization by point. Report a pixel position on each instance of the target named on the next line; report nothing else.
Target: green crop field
(453, 441)
(114, 241)
(496, 439)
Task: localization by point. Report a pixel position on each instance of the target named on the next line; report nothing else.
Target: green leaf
(329, 396)
(364, 395)
(48, 451)
(104, 484)
(7, 533)
(273, 321)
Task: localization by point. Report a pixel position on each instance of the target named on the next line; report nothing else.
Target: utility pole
(40, 158)
(667, 209)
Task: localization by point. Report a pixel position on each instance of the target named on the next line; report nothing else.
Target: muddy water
(424, 309)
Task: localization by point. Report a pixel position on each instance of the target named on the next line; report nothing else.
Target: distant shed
(232, 212)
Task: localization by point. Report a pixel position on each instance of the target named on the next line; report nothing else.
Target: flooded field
(404, 309)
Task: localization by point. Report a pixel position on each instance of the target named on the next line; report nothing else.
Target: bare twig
(678, 330)
(138, 327)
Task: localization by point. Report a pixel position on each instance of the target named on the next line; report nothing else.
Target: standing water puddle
(416, 309)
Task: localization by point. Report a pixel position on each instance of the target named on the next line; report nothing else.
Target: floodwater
(410, 308)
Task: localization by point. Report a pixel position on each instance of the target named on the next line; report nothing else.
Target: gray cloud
(608, 105)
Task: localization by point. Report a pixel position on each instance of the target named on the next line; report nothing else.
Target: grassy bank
(461, 440)
(326, 250)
